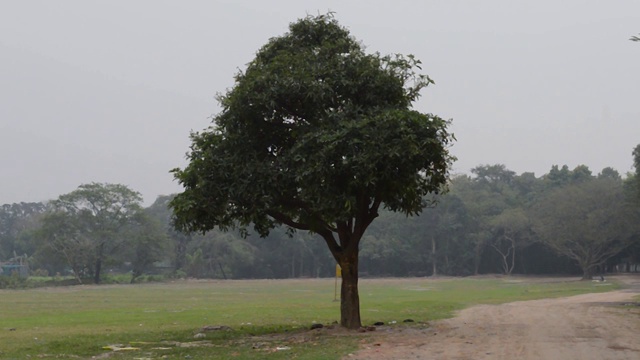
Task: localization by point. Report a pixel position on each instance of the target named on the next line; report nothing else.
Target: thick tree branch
(326, 233)
(278, 216)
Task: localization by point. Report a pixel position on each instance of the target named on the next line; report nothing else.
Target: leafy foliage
(84, 224)
(147, 243)
(16, 221)
(314, 132)
(589, 222)
(457, 237)
(316, 135)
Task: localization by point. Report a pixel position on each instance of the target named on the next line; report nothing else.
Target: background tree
(558, 176)
(85, 224)
(636, 176)
(609, 173)
(581, 173)
(219, 255)
(15, 220)
(160, 211)
(589, 222)
(391, 248)
(438, 243)
(317, 135)
(147, 243)
(512, 231)
(487, 195)
(631, 256)
(65, 241)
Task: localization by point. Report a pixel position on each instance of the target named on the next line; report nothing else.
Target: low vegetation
(266, 318)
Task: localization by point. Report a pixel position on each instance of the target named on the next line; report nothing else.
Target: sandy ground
(585, 327)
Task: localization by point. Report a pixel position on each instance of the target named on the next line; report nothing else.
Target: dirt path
(581, 327)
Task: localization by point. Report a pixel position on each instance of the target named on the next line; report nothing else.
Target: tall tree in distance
(589, 222)
(85, 223)
(161, 211)
(14, 220)
(512, 231)
(317, 135)
(147, 242)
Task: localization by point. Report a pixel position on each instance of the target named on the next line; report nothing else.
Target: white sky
(108, 91)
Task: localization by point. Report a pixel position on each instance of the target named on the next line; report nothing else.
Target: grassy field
(269, 318)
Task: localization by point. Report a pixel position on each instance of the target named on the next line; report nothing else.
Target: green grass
(159, 318)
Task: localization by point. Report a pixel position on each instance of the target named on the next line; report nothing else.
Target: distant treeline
(568, 221)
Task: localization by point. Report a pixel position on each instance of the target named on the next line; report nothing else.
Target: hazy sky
(108, 91)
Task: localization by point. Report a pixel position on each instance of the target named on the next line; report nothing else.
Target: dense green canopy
(316, 134)
(314, 129)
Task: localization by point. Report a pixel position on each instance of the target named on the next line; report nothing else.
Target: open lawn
(269, 318)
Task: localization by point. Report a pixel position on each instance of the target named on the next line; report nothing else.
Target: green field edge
(285, 310)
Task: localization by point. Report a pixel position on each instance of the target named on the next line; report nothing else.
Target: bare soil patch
(590, 326)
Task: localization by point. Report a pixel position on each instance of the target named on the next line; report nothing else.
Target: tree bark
(345, 252)
(349, 296)
(587, 272)
(301, 269)
(513, 255)
(433, 255)
(224, 275)
(96, 276)
(74, 268)
(506, 268)
(478, 255)
(99, 254)
(181, 252)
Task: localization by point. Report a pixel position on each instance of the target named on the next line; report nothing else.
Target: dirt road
(581, 327)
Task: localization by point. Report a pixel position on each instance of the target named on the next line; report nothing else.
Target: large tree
(317, 135)
(86, 225)
(589, 221)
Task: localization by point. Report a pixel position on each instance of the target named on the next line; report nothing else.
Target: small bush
(40, 273)
(14, 281)
(179, 274)
(148, 278)
(155, 278)
(116, 279)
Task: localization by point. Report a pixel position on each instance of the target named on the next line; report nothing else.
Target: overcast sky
(108, 91)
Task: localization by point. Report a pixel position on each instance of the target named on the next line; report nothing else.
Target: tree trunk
(99, 254)
(513, 257)
(134, 275)
(587, 272)
(181, 252)
(349, 297)
(478, 256)
(224, 275)
(96, 276)
(433, 255)
(74, 267)
(506, 269)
